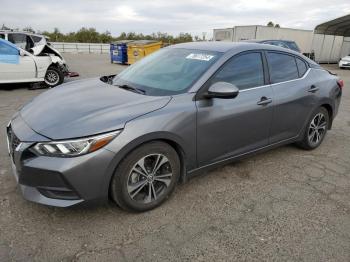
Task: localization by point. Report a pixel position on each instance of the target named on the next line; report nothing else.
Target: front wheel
(54, 76)
(146, 177)
(316, 129)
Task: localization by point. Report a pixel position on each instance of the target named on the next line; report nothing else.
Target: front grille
(13, 140)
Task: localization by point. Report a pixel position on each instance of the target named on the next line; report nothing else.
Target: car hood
(86, 107)
(41, 49)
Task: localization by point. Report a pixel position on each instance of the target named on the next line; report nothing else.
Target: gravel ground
(283, 205)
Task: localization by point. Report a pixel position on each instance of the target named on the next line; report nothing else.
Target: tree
(106, 37)
(277, 26)
(90, 35)
(271, 24)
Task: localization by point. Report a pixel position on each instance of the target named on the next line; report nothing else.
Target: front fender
(42, 64)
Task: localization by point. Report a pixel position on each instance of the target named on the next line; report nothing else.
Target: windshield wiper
(132, 89)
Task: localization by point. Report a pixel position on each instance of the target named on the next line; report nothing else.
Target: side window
(302, 68)
(19, 40)
(244, 71)
(36, 39)
(282, 67)
(2, 36)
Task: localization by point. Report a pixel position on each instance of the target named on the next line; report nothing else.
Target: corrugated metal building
(332, 40)
(329, 41)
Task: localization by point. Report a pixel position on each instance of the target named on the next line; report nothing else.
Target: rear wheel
(54, 76)
(146, 177)
(316, 129)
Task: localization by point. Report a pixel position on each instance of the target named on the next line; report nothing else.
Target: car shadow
(11, 87)
(106, 207)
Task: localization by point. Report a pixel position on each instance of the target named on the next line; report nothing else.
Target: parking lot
(283, 205)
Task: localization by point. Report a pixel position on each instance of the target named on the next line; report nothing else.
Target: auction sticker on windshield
(202, 57)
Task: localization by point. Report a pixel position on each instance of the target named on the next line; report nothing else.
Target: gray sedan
(186, 108)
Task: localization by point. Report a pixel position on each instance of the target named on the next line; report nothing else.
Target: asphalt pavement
(284, 205)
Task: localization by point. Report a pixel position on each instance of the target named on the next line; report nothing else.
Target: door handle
(264, 101)
(313, 89)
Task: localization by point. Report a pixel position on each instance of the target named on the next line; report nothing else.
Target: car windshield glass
(169, 71)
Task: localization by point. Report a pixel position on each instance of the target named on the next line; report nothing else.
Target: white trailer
(329, 41)
(303, 38)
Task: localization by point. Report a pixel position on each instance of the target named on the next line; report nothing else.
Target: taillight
(340, 83)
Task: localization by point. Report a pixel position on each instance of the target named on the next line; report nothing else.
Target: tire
(53, 77)
(319, 121)
(139, 189)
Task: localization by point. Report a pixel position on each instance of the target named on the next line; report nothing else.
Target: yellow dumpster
(141, 48)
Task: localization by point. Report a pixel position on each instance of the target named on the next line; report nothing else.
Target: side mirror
(222, 90)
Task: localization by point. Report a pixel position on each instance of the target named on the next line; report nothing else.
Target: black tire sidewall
(306, 135)
(59, 73)
(118, 187)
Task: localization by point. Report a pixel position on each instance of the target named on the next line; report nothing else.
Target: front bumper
(65, 69)
(58, 181)
(344, 63)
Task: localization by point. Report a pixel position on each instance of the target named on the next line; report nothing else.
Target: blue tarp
(9, 53)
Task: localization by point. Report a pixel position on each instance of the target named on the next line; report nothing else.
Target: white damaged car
(344, 62)
(40, 64)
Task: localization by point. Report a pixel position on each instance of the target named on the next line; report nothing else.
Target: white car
(39, 43)
(345, 62)
(20, 66)
(24, 40)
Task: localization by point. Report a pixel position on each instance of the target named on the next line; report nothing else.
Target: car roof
(224, 47)
(19, 32)
(265, 40)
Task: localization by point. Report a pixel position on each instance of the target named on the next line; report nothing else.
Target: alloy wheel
(51, 77)
(149, 178)
(317, 129)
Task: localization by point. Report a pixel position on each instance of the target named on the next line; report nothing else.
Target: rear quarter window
(302, 68)
(282, 67)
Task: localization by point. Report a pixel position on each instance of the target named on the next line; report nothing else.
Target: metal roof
(338, 26)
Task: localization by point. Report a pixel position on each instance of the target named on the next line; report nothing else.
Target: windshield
(169, 71)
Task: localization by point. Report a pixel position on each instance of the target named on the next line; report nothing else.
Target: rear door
(229, 127)
(293, 96)
(13, 67)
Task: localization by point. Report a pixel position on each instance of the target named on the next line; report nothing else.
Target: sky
(170, 16)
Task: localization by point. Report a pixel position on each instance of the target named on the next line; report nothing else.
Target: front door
(231, 127)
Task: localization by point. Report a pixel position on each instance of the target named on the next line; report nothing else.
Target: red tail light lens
(340, 83)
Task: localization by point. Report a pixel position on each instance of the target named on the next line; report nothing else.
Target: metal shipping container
(327, 48)
(225, 35)
(240, 33)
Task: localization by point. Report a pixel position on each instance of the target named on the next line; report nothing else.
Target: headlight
(75, 147)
